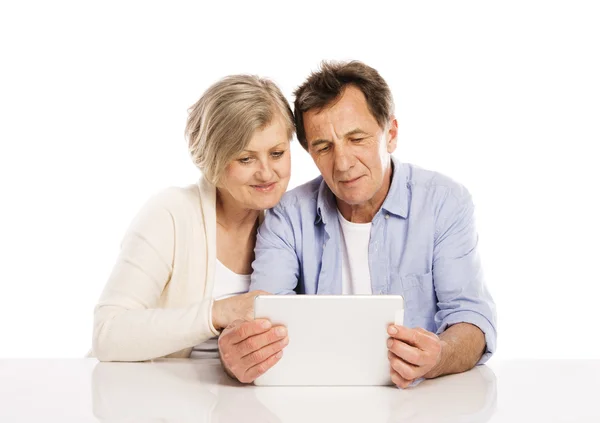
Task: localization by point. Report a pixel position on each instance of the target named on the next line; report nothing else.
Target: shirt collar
(326, 205)
(396, 201)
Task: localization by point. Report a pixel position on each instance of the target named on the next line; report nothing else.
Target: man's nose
(343, 159)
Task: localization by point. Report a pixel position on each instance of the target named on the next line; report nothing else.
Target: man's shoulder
(434, 183)
(303, 196)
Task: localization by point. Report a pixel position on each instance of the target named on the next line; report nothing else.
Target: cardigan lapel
(208, 204)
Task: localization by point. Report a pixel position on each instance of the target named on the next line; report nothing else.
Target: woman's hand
(238, 307)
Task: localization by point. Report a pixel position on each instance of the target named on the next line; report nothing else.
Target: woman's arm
(128, 325)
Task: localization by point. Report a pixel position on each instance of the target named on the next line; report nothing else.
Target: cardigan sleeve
(128, 325)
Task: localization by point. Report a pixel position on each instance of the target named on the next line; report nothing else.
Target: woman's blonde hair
(221, 124)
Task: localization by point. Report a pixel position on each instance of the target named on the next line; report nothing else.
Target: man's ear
(392, 135)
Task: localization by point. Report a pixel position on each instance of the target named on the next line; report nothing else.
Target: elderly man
(370, 225)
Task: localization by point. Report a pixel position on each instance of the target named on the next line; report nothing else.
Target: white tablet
(334, 339)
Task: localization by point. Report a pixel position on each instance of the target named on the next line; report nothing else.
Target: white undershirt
(356, 277)
(227, 284)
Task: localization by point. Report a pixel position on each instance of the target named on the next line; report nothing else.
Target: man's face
(350, 149)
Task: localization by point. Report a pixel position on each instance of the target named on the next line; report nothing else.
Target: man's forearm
(463, 344)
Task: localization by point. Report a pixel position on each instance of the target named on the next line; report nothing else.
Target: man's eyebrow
(318, 142)
(355, 131)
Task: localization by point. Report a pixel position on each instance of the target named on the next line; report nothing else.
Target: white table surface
(84, 390)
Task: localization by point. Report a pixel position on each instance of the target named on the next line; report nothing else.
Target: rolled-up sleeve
(275, 268)
(458, 277)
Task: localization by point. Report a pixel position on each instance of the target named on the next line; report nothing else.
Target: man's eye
(324, 149)
(356, 139)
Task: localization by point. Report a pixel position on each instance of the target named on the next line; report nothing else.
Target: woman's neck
(233, 216)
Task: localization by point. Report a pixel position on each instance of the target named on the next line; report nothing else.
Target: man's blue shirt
(423, 246)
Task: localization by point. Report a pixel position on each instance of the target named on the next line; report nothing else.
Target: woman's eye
(244, 160)
(277, 154)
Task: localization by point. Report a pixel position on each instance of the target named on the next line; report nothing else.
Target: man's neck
(365, 212)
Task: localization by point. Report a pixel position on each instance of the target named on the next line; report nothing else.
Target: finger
(255, 371)
(399, 380)
(412, 337)
(256, 342)
(240, 330)
(265, 352)
(404, 369)
(407, 352)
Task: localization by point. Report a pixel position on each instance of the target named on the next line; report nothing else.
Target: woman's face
(257, 178)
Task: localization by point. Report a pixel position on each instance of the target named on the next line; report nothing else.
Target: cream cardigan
(157, 301)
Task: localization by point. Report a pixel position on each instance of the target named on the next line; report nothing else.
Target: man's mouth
(350, 181)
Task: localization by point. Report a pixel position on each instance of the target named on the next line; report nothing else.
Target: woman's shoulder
(176, 197)
(174, 203)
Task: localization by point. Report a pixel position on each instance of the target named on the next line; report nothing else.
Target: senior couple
(194, 258)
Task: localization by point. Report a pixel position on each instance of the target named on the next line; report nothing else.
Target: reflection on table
(199, 391)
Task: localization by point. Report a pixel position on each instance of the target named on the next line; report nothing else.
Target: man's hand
(250, 348)
(413, 353)
(233, 308)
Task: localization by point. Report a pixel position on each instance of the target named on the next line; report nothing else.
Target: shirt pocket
(420, 301)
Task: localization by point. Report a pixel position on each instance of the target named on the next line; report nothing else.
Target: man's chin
(351, 198)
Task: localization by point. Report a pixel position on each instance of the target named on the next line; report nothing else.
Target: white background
(502, 96)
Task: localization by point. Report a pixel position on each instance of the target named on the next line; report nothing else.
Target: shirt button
(387, 216)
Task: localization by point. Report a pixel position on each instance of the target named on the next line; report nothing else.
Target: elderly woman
(188, 253)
